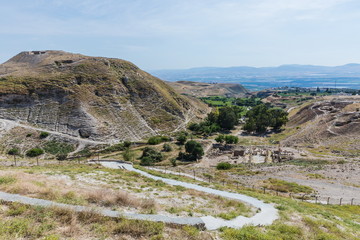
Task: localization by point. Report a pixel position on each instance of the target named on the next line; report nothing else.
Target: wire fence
(311, 198)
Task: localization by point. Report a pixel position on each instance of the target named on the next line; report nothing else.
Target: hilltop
(101, 99)
(199, 89)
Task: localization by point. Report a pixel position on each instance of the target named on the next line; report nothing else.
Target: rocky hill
(329, 125)
(100, 99)
(200, 89)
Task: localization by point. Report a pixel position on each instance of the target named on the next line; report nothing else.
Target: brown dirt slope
(93, 97)
(332, 123)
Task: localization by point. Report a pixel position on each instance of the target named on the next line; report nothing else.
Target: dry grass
(109, 198)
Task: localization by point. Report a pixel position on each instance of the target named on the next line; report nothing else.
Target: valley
(180, 160)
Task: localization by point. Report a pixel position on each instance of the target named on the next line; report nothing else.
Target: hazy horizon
(160, 34)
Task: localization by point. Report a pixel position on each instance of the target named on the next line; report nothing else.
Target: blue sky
(171, 34)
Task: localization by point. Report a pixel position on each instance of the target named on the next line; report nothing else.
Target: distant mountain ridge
(345, 76)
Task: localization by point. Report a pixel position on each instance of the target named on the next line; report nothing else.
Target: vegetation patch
(54, 147)
(284, 186)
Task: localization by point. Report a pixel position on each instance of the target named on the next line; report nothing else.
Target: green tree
(278, 118)
(150, 156)
(227, 118)
(194, 150)
(34, 152)
(14, 151)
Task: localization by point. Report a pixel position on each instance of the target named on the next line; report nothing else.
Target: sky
(176, 34)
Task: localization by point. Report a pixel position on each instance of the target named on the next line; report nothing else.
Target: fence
(312, 198)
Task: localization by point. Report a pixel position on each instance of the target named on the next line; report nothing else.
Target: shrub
(34, 152)
(61, 157)
(13, 151)
(223, 166)
(158, 139)
(54, 147)
(229, 139)
(44, 135)
(181, 139)
(167, 148)
(173, 162)
(127, 144)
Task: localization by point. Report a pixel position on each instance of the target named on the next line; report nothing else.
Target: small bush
(7, 180)
(167, 148)
(34, 152)
(61, 157)
(44, 135)
(223, 166)
(158, 139)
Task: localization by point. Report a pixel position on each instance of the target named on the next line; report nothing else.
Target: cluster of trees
(247, 102)
(193, 151)
(225, 118)
(228, 139)
(261, 117)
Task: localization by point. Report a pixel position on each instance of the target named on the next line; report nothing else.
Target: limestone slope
(92, 97)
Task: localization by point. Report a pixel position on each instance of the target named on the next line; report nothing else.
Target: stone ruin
(251, 154)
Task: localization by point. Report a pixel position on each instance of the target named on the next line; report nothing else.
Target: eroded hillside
(331, 125)
(90, 97)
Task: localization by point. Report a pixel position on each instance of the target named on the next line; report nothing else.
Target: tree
(14, 151)
(260, 117)
(278, 118)
(194, 150)
(227, 118)
(150, 156)
(34, 152)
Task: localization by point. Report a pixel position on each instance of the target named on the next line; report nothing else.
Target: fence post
(264, 189)
(328, 200)
(237, 185)
(303, 197)
(340, 201)
(290, 195)
(352, 201)
(223, 182)
(194, 173)
(209, 178)
(316, 199)
(277, 193)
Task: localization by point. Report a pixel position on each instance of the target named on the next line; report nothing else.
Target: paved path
(266, 216)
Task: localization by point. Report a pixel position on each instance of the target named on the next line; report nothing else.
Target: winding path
(265, 216)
